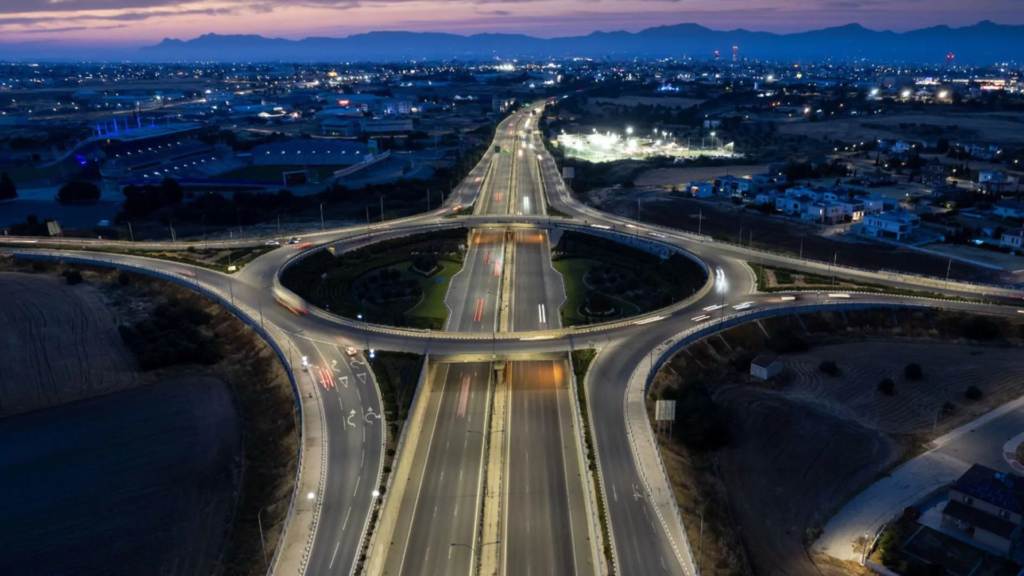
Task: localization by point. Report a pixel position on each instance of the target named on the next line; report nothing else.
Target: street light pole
(382, 208)
(700, 219)
(321, 215)
(948, 268)
(834, 257)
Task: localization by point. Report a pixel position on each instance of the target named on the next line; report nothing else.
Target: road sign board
(665, 411)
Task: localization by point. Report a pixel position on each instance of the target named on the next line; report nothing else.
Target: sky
(146, 22)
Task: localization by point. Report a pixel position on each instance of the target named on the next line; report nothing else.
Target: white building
(765, 367)
(873, 204)
(701, 189)
(1013, 240)
(822, 212)
(1009, 209)
(890, 225)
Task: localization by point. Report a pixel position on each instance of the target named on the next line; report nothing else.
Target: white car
(351, 351)
(273, 243)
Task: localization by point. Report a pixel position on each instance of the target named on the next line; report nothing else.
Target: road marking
(345, 523)
(358, 479)
(463, 398)
(542, 313)
(331, 565)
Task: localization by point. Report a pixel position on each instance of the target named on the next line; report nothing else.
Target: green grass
(573, 270)
(432, 306)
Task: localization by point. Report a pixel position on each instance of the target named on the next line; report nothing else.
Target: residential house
(1013, 239)
(822, 212)
(982, 152)
(731, 185)
(701, 189)
(788, 205)
(890, 225)
(988, 506)
(1009, 209)
(853, 210)
(765, 367)
(901, 147)
(768, 182)
(993, 182)
(765, 198)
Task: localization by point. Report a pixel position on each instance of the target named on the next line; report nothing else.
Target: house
(734, 186)
(386, 125)
(853, 210)
(822, 212)
(788, 205)
(982, 152)
(765, 367)
(768, 182)
(1013, 240)
(764, 198)
(1009, 209)
(901, 147)
(890, 225)
(993, 182)
(700, 189)
(988, 506)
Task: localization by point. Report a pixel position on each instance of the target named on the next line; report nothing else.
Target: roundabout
(503, 311)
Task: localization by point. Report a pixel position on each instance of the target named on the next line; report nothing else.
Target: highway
(644, 542)
(352, 412)
(473, 296)
(441, 504)
(546, 524)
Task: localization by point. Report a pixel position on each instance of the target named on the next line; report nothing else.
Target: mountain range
(984, 42)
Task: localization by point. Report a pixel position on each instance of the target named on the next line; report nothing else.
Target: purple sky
(143, 22)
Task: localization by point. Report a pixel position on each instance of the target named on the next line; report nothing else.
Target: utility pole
(130, 233)
(700, 219)
(382, 208)
(834, 257)
(948, 268)
(321, 215)
(278, 224)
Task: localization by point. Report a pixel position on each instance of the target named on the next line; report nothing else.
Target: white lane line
(331, 565)
(345, 523)
(354, 492)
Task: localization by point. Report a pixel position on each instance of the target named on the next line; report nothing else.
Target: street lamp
(629, 129)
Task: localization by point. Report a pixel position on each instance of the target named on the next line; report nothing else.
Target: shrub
(74, 192)
(973, 392)
(73, 277)
(829, 367)
(124, 279)
(913, 371)
(701, 423)
(891, 549)
(887, 386)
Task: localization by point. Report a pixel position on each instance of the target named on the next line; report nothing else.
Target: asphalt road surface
(473, 297)
(537, 289)
(545, 509)
(441, 504)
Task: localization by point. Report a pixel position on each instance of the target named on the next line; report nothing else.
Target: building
(1013, 240)
(310, 152)
(765, 367)
(734, 186)
(988, 506)
(822, 212)
(993, 182)
(701, 189)
(890, 225)
(386, 125)
(1008, 209)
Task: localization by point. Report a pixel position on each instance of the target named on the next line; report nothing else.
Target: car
(293, 240)
(184, 272)
(351, 351)
(272, 243)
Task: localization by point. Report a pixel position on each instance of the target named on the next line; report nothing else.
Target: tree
(829, 367)
(8, 191)
(891, 548)
(887, 386)
(78, 192)
(913, 371)
(973, 392)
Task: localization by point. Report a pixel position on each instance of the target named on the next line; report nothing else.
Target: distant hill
(985, 42)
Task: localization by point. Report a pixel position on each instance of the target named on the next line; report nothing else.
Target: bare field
(683, 176)
(801, 446)
(1005, 127)
(593, 103)
(43, 324)
(136, 482)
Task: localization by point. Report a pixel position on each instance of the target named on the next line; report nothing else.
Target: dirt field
(802, 446)
(1004, 128)
(683, 176)
(43, 323)
(593, 103)
(137, 482)
(724, 222)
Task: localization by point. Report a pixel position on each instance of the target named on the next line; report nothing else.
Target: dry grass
(683, 176)
(804, 444)
(1004, 127)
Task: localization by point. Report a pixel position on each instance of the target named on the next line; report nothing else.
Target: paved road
(624, 345)
(355, 430)
(545, 521)
(441, 504)
(473, 297)
(538, 292)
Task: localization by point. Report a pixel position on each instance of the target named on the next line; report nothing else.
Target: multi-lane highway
(501, 187)
(440, 509)
(546, 523)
